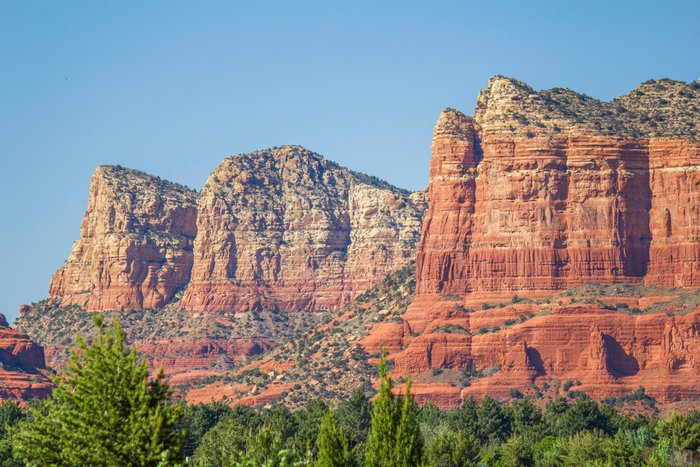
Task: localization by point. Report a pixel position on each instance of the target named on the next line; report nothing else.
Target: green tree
(449, 448)
(394, 439)
(332, 443)
(494, 423)
(584, 414)
(682, 431)
(265, 449)
(105, 411)
(381, 439)
(10, 414)
(408, 450)
(517, 451)
(527, 419)
(355, 416)
(223, 444)
(307, 421)
(196, 420)
(467, 419)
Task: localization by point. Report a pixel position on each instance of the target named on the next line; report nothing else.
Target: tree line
(107, 411)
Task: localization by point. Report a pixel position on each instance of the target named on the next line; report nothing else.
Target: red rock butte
(543, 191)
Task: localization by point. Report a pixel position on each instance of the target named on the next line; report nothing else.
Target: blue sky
(172, 87)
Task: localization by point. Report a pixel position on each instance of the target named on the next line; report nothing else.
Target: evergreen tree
(494, 424)
(332, 443)
(355, 416)
(105, 411)
(409, 442)
(395, 439)
(381, 439)
(265, 449)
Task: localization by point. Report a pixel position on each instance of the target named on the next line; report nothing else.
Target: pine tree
(408, 450)
(381, 439)
(394, 439)
(105, 411)
(332, 443)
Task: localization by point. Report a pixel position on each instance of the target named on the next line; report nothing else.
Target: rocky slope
(23, 373)
(287, 229)
(135, 245)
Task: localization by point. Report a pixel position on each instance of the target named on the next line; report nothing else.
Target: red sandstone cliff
(23, 374)
(135, 245)
(524, 198)
(545, 191)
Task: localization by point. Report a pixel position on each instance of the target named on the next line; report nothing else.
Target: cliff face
(23, 373)
(135, 245)
(544, 191)
(279, 229)
(287, 229)
(534, 194)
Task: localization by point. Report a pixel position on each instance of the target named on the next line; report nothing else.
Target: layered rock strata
(524, 198)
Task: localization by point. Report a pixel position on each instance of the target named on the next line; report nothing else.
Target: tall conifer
(105, 411)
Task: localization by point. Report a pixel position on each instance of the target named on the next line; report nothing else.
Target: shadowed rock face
(287, 229)
(135, 245)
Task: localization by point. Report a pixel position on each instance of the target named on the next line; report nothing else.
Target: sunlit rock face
(287, 229)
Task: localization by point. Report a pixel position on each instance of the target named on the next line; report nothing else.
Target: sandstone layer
(23, 374)
(135, 245)
(287, 229)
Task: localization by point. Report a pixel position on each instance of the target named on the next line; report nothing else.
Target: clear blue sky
(172, 87)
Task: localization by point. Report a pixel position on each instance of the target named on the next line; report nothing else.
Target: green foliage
(10, 415)
(394, 439)
(307, 421)
(197, 420)
(494, 422)
(264, 449)
(332, 443)
(355, 416)
(222, 444)
(105, 411)
(449, 448)
(682, 431)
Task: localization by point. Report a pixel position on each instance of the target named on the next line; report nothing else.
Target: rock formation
(135, 245)
(23, 374)
(544, 191)
(287, 229)
(535, 193)
(277, 229)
